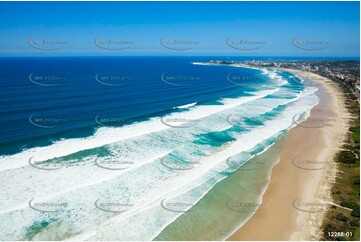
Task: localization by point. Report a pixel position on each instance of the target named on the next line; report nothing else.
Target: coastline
(290, 184)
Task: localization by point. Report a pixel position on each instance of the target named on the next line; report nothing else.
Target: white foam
(181, 185)
(148, 182)
(145, 220)
(107, 135)
(187, 105)
(232, 65)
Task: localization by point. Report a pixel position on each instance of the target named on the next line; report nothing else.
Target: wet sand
(298, 194)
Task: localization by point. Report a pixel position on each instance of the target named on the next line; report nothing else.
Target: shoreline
(280, 218)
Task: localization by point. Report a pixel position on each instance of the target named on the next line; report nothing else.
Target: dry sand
(298, 194)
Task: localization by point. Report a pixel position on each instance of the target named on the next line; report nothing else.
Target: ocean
(139, 148)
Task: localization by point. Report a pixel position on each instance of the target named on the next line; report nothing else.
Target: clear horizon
(180, 121)
(257, 29)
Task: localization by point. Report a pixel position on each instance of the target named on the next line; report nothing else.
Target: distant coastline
(322, 225)
(309, 226)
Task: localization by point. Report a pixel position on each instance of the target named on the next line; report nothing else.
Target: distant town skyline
(180, 28)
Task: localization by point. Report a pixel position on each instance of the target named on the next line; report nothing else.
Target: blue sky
(207, 25)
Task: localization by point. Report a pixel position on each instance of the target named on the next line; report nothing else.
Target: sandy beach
(298, 194)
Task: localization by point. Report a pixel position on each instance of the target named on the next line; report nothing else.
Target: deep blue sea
(65, 95)
(117, 148)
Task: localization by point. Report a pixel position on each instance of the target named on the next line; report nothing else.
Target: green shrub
(349, 204)
(356, 212)
(341, 217)
(355, 223)
(356, 134)
(346, 157)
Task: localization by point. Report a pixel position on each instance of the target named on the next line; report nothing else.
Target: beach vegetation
(354, 223)
(347, 157)
(346, 190)
(349, 204)
(341, 217)
(356, 212)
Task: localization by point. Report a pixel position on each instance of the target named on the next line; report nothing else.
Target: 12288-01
(340, 234)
